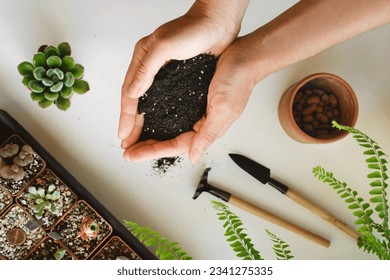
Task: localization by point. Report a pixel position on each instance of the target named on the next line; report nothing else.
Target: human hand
(206, 28)
(228, 94)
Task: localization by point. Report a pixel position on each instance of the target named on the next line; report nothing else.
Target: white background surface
(83, 139)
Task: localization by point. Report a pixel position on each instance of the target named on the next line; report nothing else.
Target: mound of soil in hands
(177, 99)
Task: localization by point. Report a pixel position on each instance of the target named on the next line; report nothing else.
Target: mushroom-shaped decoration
(12, 172)
(9, 150)
(26, 156)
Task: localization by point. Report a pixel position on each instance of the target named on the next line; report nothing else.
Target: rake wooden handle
(278, 221)
(322, 213)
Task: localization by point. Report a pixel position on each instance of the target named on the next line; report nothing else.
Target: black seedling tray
(10, 127)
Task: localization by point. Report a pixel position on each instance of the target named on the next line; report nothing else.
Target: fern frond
(376, 162)
(164, 249)
(236, 236)
(280, 247)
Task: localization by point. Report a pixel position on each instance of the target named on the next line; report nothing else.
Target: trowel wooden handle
(278, 221)
(322, 213)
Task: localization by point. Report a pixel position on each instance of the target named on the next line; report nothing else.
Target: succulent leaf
(51, 188)
(59, 254)
(80, 86)
(66, 92)
(36, 86)
(63, 103)
(39, 59)
(26, 68)
(39, 73)
(55, 195)
(58, 73)
(27, 79)
(69, 79)
(51, 95)
(33, 191)
(54, 61)
(50, 73)
(37, 96)
(67, 63)
(50, 51)
(45, 103)
(56, 88)
(78, 71)
(64, 49)
(47, 82)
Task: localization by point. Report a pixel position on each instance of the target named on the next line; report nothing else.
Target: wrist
(224, 14)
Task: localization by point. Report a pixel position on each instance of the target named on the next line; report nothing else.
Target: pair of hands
(185, 37)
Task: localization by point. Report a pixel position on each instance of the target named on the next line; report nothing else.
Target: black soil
(177, 99)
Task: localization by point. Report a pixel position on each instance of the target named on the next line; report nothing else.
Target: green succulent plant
(44, 199)
(53, 76)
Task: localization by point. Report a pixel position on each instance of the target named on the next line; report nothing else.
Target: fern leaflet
(280, 247)
(164, 249)
(237, 238)
(376, 162)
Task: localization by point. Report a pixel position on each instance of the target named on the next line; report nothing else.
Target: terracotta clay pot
(330, 83)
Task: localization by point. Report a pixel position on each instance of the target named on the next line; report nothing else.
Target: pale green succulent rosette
(53, 76)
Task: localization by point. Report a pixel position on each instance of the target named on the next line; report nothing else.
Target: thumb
(210, 129)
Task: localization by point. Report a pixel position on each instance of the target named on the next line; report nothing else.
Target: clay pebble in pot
(176, 100)
(5, 199)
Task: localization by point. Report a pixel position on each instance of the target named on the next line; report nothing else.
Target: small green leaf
(51, 51)
(63, 103)
(47, 82)
(53, 209)
(55, 195)
(45, 103)
(80, 86)
(26, 68)
(39, 200)
(51, 95)
(39, 59)
(39, 73)
(67, 63)
(64, 49)
(37, 96)
(68, 79)
(36, 86)
(59, 254)
(38, 207)
(78, 71)
(54, 61)
(51, 188)
(27, 79)
(56, 88)
(66, 92)
(33, 191)
(50, 73)
(58, 73)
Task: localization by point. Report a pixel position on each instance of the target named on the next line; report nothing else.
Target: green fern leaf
(280, 247)
(237, 238)
(165, 250)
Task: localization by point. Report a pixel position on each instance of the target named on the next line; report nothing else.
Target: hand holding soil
(205, 28)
